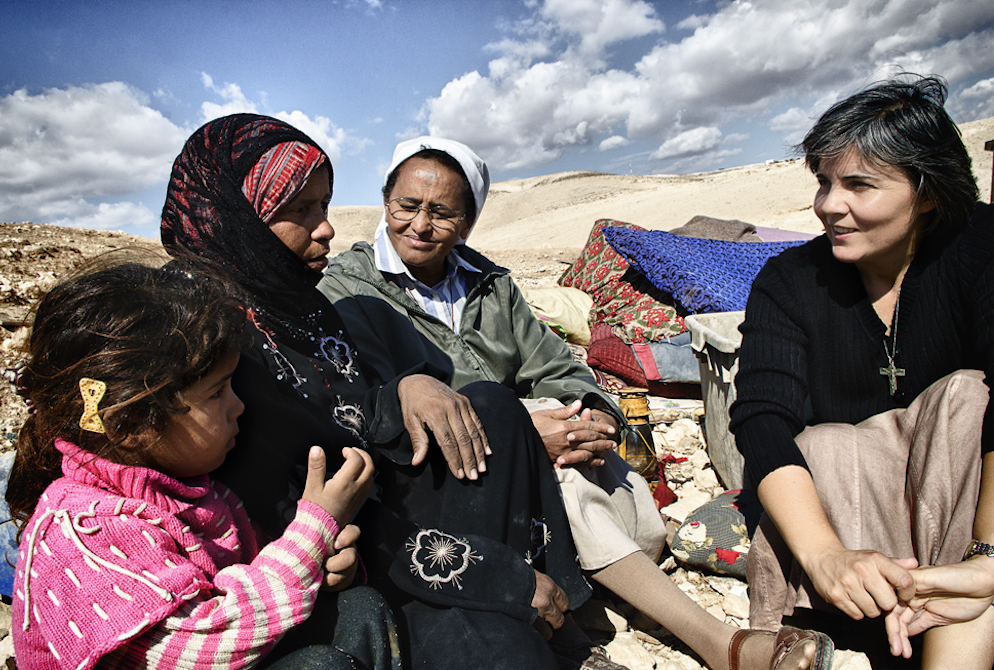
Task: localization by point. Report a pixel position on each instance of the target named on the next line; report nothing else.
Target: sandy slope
(558, 210)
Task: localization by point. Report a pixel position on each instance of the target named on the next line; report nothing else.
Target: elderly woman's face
(421, 245)
(302, 224)
(868, 211)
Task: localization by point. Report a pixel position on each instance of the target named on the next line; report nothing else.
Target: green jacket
(499, 338)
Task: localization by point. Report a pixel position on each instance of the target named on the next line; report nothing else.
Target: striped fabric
(279, 175)
(250, 609)
(445, 300)
(122, 566)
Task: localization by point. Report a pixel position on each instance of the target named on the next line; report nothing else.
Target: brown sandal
(788, 639)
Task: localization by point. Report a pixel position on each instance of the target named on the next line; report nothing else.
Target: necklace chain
(892, 372)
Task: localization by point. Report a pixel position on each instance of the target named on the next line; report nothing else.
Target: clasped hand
(576, 442)
(943, 594)
(861, 583)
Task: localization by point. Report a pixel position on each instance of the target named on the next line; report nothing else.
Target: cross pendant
(892, 373)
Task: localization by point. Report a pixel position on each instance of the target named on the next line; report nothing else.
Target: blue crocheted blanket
(702, 275)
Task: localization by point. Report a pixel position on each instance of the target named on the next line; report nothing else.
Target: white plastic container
(716, 339)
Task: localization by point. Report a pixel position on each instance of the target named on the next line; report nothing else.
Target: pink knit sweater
(144, 570)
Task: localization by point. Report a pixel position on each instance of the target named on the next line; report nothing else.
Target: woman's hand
(342, 495)
(551, 603)
(429, 404)
(340, 568)
(860, 583)
(576, 442)
(944, 594)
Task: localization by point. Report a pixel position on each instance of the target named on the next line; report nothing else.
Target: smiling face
(869, 212)
(421, 246)
(197, 442)
(302, 224)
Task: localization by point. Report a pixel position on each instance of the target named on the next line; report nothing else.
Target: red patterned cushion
(609, 353)
(623, 298)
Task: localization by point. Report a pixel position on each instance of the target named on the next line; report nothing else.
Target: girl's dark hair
(445, 160)
(147, 333)
(902, 123)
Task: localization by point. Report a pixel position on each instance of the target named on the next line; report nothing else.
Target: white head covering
(473, 166)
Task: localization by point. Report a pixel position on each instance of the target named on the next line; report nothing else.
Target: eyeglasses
(440, 217)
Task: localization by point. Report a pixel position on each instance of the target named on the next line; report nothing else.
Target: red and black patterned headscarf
(233, 173)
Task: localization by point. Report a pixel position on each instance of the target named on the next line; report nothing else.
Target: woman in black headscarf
(474, 552)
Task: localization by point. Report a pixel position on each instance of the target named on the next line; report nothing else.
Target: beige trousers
(610, 508)
(904, 483)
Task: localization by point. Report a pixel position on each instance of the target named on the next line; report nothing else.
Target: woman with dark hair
(862, 407)
(472, 549)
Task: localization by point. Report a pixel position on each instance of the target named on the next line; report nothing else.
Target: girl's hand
(861, 583)
(342, 495)
(340, 568)
(944, 594)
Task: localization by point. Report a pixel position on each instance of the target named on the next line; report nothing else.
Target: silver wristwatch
(977, 547)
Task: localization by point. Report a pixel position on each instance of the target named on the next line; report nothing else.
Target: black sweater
(813, 345)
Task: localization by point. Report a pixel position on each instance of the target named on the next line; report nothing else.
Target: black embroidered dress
(455, 558)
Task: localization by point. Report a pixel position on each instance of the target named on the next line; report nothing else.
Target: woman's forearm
(858, 582)
(789, 497)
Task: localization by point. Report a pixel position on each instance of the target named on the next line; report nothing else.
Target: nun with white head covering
(433, 194)
(419, 294)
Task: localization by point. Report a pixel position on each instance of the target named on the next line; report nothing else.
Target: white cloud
(975, 102)
(72, 156)
(613, 142)
(61, 148)
(549, 89)
(130, 217)
(689, 142)
(331, 138)
(235, 101)
(600, 23)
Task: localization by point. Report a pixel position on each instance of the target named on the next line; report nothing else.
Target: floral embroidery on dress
(439, 558)
(541, 536)
(338, 352)
(350, 418)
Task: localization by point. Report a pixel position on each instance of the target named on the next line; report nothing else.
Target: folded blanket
(709, 227)
(703, 275)
(671, 359)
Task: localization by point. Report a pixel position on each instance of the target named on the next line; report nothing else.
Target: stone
(845, 659)
(626, 650)
(699, 459)
(706, 480)
(7, 650)
(735, 606)
(5, 619)
(687, 502)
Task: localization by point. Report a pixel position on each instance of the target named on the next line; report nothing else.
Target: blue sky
(97, 96)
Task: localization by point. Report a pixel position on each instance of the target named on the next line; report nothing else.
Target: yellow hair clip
(92, 391)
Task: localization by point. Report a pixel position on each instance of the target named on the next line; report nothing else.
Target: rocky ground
(34, 257)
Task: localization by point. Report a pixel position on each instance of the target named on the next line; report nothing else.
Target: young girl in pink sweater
(130, 555)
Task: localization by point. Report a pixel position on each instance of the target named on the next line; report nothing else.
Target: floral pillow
(625, 300)
(715, 537)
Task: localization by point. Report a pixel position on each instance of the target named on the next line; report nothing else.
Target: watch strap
(977, 547)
